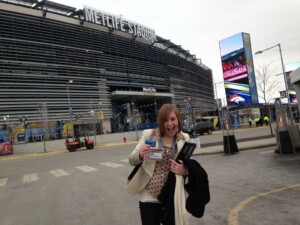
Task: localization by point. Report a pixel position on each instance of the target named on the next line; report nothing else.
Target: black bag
(133, 172)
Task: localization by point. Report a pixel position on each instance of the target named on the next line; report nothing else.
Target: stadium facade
(120, 69)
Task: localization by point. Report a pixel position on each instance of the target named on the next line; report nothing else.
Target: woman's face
(171, 125)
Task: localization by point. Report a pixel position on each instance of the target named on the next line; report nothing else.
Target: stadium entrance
(136, 110)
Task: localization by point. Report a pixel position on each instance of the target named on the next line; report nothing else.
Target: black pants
(151, 213)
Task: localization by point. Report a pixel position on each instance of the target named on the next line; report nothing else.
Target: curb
(240, 149)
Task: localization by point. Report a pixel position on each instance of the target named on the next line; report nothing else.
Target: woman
(152, 174)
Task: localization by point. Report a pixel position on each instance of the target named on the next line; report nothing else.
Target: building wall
(295, 79)
(40, 54)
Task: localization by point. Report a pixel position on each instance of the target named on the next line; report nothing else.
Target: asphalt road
(89, 188)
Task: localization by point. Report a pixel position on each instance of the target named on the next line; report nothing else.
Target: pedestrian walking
(160, 200)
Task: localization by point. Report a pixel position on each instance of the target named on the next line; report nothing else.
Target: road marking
(109, 164)
(124, 160)
(13, 157)
(234, 213)
(59, 173)
(30, 178)
(3, 182)
(86, 168)
(267, 152)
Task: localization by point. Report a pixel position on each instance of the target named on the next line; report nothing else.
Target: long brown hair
(164, 112)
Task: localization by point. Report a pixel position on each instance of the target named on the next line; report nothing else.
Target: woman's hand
(144, 149)
(178, 168)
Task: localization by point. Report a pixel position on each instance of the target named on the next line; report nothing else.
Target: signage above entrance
(149, 89)
(119, 23)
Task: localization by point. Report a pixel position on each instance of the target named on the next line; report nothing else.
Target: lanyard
(172, 147)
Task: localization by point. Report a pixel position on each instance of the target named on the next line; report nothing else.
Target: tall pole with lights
(42, 107)
(218, 103)
(134, 117)
(285, 78)
(188, 100)
(6, 119)
(69, 104)
(100, 117)
(94, 125)
(155, 108)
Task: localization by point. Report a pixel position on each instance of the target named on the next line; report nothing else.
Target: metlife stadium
(58, 63)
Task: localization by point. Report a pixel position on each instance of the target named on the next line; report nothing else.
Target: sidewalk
(217, 149)
(247, 145)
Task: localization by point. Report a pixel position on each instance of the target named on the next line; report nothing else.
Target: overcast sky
(199, 25)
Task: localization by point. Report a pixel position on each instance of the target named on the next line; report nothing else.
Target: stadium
(71, 69)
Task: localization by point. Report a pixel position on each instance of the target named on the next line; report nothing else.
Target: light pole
(100, 117)
(134, 116)
(188, 100)
(285, 79)
(42, 107)
(94, 127)
(155, 108)
(6, 118)
(218, 103)
(70, 109)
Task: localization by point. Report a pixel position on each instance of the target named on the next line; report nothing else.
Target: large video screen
(238, 73)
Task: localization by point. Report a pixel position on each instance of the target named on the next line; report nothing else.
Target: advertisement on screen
(238, 71)
(237, 94)
(293, 97)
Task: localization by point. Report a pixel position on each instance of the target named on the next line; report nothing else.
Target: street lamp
(285, 79)
(6, 118)
(70, 109)
(218, 103)
(100, 117)
(188, 100)
(94, 127)
(42, 107)
(135, 114)
(155, 108)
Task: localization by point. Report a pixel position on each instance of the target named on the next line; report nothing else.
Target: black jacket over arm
(197, 188)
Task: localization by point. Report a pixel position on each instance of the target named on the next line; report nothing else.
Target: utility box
(295, 136)
(285, 131)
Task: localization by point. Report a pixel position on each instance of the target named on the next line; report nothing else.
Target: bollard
(124, 139)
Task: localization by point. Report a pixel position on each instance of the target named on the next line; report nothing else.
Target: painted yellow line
(116, 144)
(234, 213)
(32, 155)
(14, 157)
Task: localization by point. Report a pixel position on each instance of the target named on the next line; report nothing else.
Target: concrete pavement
(246, 145)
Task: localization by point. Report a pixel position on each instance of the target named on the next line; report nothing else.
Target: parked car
(204, 127)
(201, 128)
